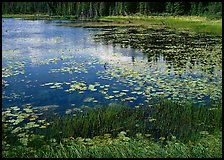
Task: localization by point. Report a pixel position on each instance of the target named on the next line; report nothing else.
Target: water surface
(48, 65)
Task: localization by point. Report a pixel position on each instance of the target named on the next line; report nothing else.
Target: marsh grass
(165, 129)
(192, 23)
(165, 119)
(186, 121)
(207, 146)
(97, 121)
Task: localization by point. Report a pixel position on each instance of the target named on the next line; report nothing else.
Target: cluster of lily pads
(175, 46)
(13, 69)
(146, 79)
(20, 121)
(180, 65)
(158, 83)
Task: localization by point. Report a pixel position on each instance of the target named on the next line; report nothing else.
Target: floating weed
(20, 121)
(160, 75)
(115, 91)
(124, 90)
(42, 127)
(89, 99)
(110, 97)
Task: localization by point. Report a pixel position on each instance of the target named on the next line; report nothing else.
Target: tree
(169, 7)
(52, 8)
(178, 8)
(215, 8)
(95, 9)
(200, 9)
(131, 7)
(194, 8)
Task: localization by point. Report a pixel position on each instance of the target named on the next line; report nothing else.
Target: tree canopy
(96, 9)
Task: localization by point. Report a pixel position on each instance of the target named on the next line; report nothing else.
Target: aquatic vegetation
(89, 99)
(13, 69)
(164, 119)
(187, 78)
(183, 82)
(176, 126)
(208, 146)
(19, 122)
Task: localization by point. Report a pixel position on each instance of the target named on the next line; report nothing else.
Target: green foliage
(185, 121)
(98, 121)
(192, 23)
(193, 8)
(214, 10)
(207, 146)
(201, 8)
(96, 9)
(164, 130)
(169, 7)
(161, 120)
(178, 8)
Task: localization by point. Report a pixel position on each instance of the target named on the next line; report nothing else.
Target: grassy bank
(208, 146)
(192, 23)
(166, 129)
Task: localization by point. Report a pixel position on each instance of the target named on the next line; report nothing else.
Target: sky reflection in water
(46, 53)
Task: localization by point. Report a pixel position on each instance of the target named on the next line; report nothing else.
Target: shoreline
(38, 17)
(182, 23)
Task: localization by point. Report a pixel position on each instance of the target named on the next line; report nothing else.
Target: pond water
(47, 65)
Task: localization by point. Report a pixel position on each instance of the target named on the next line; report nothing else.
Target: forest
(97, 9)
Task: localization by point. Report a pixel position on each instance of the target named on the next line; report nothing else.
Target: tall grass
(185, 120)
(209, 146)
(165, 129)
(192, 23)
(98, 121)
(161, 120)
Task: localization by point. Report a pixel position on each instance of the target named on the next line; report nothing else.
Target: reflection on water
(177, 48)
(45, 64)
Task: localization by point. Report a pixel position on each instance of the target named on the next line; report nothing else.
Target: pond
(47, 65)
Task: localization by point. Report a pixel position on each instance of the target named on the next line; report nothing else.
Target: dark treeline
(97, 9)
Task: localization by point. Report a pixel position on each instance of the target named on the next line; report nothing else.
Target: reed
(164, 119)
(165, 129)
